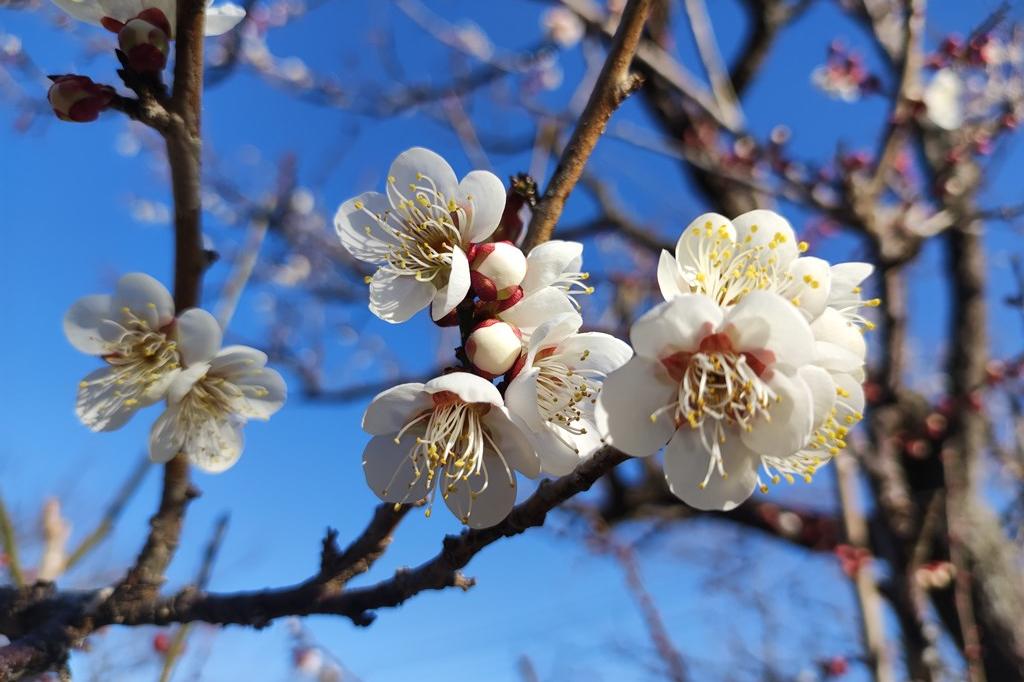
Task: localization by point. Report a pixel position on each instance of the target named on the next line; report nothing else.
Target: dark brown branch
(614, 84)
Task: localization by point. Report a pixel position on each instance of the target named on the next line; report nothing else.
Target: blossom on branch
(212, 397)
(418, 233)
(114, 14)
(451, 434)
(554, 394)
(553, 280)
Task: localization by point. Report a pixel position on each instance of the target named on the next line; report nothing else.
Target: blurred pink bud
(145, 41)
(78, 98)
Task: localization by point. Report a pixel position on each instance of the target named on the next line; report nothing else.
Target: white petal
(215, 444)
(123, 10)
(553, 332)
(470, 388)
(762, 226)
(686, 465)
(604, 352)
(390, 410)
(406, 169)
(766, 321)
(521, 399)
(855, 392)
(484, 196)
(515, 448)
(628, 398)
(698, 227)
(835, 358)
(451, 294)
(199, 336)
(670, 281)
(265, 392)
(536, 309)
(360, 233)
(395, 299)
(390, 472)
(791, 419)
(83, 10)
(237, 360)
(557, 457)
(146, 298)
(82, 323)
(222, 18)
(166, 437)
(491, 505)
(810, 285)
(547, 262)
(832, 327)
(823, 392)
(849, 275)
(674, 326)
(99, 404)
(184, 381)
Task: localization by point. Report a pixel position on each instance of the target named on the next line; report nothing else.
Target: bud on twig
(78, 98)
(145, 41)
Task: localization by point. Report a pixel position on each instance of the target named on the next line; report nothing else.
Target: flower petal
(489, 505)
(469, 387)
(536, 309)
(390, 410)
(835, 358)
(521, 399)
(359, 232)
(705, 226)
(215, 445)
(389, 470)
(237, 360)
(810, 285)
(82, 323)
(547, 262)
(199, 336)
(832, 327)
(823, 392)
(265, 393)
(146, 298)
(166, 438)
(184, 380)
(686, 465)
(846, 276)
(483, 195)
(676, 325)
(100, 404)
(516, 449)
(766, 321)
(596, 351)
(412, 168)
(395, 299)
(791, 419)
(451, 294)
(552, 332)
(222, 18)
(629, 397)
(762, 228)
(83, 10)
(670, 281)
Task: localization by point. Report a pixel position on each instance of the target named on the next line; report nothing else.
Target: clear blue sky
(67, 231)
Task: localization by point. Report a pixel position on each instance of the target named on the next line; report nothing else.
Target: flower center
(719, 390)
(726, 270)
(450, 450)
(420, 229)
(572, 283)
(141, 358)
(212, 398)
(565, 394)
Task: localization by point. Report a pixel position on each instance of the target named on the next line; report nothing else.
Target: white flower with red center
(723, 388)
(727, 259)
(418, 232)
(453, 435)
(553, 280)
(114, 14)
(555, 391)
(211, 399)
(133, 331)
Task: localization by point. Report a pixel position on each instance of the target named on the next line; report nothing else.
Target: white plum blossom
(724, 388)
(418, 233)
(211, 399)
(451, 434)
(113, 14)
(554, 394)
(133, 332)
(944, 100)
(553, 280)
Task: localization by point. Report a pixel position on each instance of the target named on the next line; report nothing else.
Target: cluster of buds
(497, 270)
(844, 74)
(145, 40)
(981, 50)
(78, 98)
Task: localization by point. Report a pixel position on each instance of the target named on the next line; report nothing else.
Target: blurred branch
(9, 541)
(714, 66)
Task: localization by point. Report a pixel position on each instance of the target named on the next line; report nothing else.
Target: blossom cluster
(752, 364)
(150, 355)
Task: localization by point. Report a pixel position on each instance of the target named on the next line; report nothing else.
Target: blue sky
(67, 231)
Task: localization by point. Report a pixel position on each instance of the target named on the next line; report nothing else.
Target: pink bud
(145, 41)
(494, 346)
(497, 268)
(78, 98)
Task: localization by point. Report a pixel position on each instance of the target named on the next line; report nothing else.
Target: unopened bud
(496, 270)
(494, 346)
(145, 41)
(78, 98)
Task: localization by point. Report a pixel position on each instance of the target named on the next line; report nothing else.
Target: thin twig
(714, 65)
(10, 546)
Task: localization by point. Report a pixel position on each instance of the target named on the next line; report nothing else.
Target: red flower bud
(145, 41)
(78, 98)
